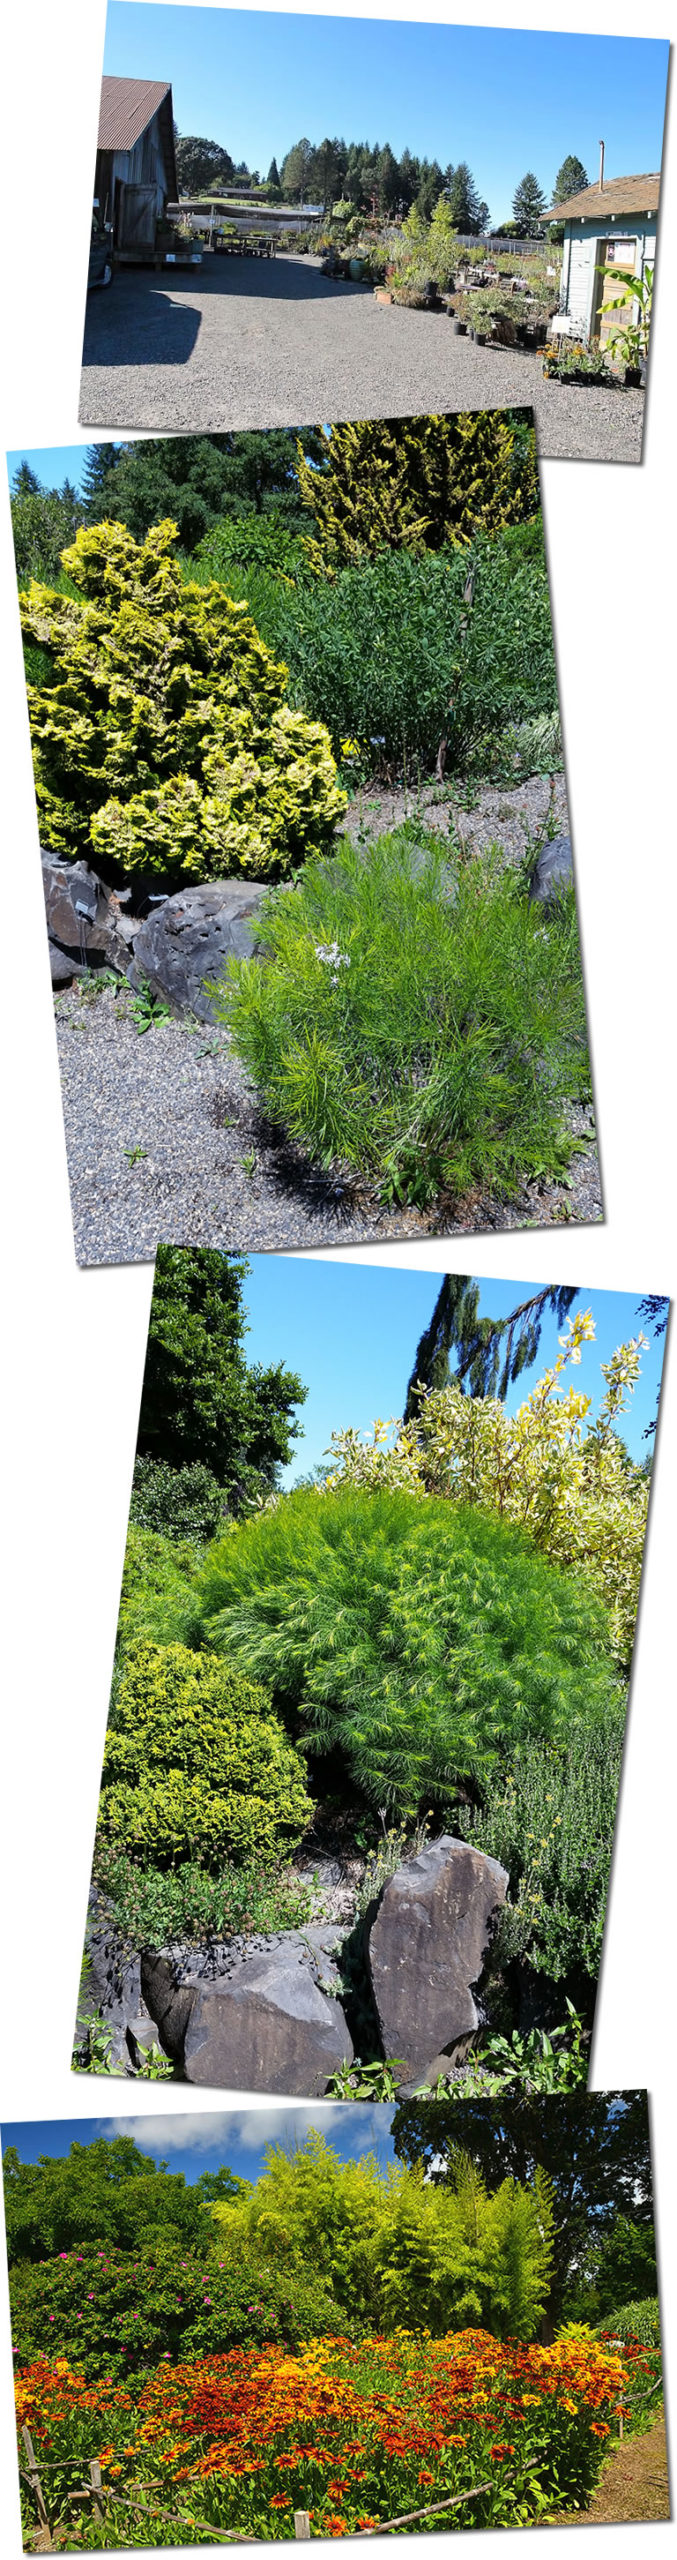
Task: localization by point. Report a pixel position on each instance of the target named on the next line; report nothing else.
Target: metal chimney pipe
(601, 168)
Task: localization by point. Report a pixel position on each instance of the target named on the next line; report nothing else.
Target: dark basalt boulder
(187, 940)
(428, 1945)
(553, 872)
(85, 923)
(257, 2014)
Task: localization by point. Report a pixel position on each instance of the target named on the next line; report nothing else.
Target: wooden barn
(135, 162)
(612, 224)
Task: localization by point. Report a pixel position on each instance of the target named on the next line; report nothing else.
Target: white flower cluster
(334, 959)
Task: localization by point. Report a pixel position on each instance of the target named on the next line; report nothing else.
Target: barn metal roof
(127, 107)
(618, 195)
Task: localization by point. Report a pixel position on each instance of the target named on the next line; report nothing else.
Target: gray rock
(553, 872)
(427, 1948)
(84, 921)
(63, 967)
(191, 936)
(266, 2020)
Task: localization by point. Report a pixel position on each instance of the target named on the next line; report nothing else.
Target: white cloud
(250, 2128)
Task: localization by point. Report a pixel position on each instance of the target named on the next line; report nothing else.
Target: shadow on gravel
(288, 1171)
(141, 329)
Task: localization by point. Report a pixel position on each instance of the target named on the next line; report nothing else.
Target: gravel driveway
(163, 1133)
(268, 342)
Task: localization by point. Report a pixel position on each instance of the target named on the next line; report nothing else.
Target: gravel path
(512, 815)
(163, 1132)
(267, 342)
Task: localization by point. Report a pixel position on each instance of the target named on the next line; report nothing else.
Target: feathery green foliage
(196, 1763)
(426, 1641)
(415, 1021)
(165, 744)
(395, 2250)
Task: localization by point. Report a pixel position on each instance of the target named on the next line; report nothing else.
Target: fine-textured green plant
(151, 1906)
(425, 1640)
(550, 1821)
(159, 1577)
(165, 745)
(374, 651)
(415, 1020)
(196, 1764)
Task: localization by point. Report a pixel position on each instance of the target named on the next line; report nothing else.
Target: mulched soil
(165, 1139)
(634, 2487)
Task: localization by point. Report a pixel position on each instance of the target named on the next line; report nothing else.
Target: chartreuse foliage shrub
(424, 1639)
(421, 481)
(115, 2311)
(419, 1024)
(396, 2250)
(555, 1469)
(165, 744)
(196, 1763)
(159, 1577)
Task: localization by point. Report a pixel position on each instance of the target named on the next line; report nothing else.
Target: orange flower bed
(353, 2433)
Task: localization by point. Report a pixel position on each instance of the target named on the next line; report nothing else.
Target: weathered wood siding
(580, 254)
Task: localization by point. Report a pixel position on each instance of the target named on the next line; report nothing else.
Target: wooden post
(301, 2524)
(97, 2500)
(34, 2476)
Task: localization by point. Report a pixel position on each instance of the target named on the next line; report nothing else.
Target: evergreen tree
(467, 208)
(273, 179)
(570, 179)
(101, 463)
(296, 169)
(201, 1402)
(491, 1352)
(25, 483)
(528, 205)
(195, 480)
(423, 482)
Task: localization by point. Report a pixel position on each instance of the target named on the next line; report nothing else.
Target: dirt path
(634, 2487)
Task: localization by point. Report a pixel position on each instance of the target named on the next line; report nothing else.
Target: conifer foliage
(165, 744)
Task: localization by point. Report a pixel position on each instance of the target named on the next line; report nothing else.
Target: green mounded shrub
(640, 2320)
(196, 1764)
(177, 1502)
(379, 654)
(165, 744)
(426, 1641)
(159, 1578)
(116, 2312)
(415, 1020)
(550, 1820)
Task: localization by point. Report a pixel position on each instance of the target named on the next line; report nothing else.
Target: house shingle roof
(127, 107)
(618, 195)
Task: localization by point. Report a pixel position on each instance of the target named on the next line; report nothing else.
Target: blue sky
(505, 100)
(237, 2136)
(52, 463)
(351, 1331)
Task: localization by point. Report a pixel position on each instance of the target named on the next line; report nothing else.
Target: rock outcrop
(428, 1944)
(552, 873)
(186, 941)
(259, 2014)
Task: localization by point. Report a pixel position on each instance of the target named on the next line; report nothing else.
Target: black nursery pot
(461, 329)
(633, 377)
